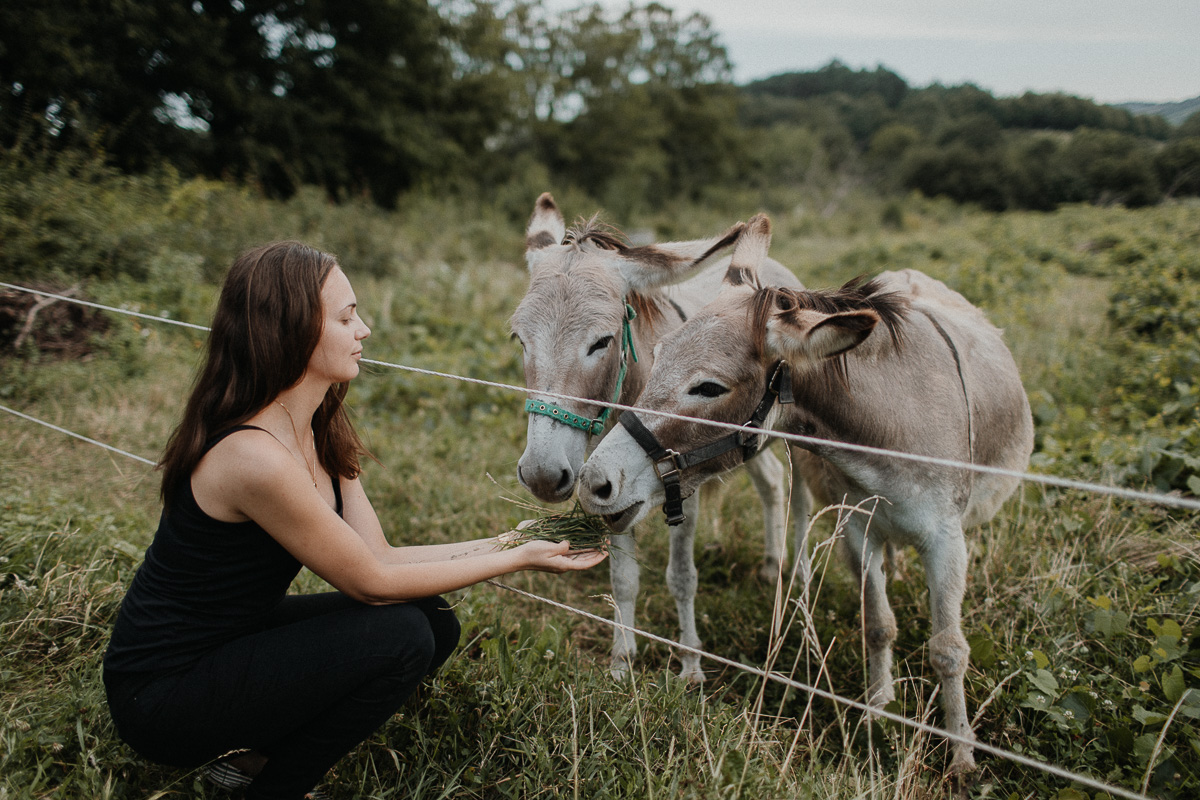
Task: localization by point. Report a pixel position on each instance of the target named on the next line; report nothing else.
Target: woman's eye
(707, 389)
(600, 344)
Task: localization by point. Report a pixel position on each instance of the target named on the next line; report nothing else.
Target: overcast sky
(1111, 51)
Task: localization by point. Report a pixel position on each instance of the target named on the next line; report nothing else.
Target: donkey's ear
(546, 226)
(750, 250)
(803, 337)
(670, 262)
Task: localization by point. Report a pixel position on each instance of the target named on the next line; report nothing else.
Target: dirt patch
(57, 328)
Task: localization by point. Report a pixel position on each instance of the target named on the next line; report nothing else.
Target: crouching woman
(210, 655)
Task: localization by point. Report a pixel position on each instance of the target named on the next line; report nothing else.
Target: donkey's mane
(603, 235)
(857, 294)
(608, 237)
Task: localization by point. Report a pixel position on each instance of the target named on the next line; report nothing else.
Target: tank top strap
(216, 439)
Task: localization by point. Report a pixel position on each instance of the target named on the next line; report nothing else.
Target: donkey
(594, 310)
(901, 363)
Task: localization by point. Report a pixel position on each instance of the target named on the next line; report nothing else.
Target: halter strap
(670, 464)
(593, 427)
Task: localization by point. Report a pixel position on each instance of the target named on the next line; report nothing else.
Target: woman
(209, 655)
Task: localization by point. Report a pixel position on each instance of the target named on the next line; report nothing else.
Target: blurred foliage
(1098, 306)
(634, 107)
(1083, 649)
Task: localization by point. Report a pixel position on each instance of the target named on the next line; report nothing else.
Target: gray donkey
(900, 362)
(594, 311)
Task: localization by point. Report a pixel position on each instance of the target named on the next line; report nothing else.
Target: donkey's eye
(600, 344)
(707, 389)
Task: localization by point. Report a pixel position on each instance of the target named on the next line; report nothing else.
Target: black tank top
(203, 583)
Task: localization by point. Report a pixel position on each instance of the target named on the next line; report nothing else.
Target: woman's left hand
(558, 557)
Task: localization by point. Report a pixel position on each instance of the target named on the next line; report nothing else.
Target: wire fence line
(1157, 498)
(769, 675)
(102, 307)
(1050, 769)
(54, 427)
(788, 681)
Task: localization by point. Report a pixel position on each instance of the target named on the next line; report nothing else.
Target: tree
(633, 105)
(1178, 166)
(960, 172)
(834, 78)
(90, 73)
(360, 97)
(1040, 177)
(1116, 167)
(1189, 127)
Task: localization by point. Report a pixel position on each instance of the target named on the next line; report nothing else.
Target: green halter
(592, 426)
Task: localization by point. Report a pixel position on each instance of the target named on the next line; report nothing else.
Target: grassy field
(1081, 610)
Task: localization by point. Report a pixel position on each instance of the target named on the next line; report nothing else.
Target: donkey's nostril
(566, 481)
(603, 491)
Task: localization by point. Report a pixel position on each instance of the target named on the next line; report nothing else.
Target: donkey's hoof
(692, 674)
(962, 763)
(768, 572)
(881, 696)
(619, 668)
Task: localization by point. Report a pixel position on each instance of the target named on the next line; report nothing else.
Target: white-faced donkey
(594, 311)
(900, 362)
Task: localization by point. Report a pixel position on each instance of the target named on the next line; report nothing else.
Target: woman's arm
(264, 482)
(360, 514)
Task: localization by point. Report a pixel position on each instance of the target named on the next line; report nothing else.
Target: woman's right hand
(557, 557)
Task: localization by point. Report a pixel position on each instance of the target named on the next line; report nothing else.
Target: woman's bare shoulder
(248, 448)
(248, 464)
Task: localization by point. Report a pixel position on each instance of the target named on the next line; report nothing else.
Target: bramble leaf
(1148, 718)
(1045, 681)
(1173, 684)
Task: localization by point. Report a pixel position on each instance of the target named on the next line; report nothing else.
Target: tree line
(379, 97)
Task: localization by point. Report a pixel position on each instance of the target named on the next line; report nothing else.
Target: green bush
(70, 218)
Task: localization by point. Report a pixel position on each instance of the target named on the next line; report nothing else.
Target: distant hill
(1174, 113)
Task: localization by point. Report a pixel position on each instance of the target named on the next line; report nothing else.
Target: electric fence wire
(766, 675)
(776, 677)
(1156, 498)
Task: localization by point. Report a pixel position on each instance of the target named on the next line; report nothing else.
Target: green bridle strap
(593, 426)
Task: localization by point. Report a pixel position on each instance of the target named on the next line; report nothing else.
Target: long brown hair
(268, 322)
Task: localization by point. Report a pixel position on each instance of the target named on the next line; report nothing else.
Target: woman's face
(340, 347)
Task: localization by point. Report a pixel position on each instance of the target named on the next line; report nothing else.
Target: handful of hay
(582, 530)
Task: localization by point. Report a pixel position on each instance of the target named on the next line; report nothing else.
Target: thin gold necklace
(312, 469)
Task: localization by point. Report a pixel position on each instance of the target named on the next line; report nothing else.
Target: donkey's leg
(864, 557)
(767, 474)
(623, 570)
(681, 580)
(945, 560)
(800, 508)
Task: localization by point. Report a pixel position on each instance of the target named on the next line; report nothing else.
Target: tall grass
(1070, 595)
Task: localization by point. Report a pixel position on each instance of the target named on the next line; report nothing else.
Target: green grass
(1076, 603)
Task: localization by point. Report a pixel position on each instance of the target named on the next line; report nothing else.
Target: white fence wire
(776, 677)
(1050, 769)
(1157, 498)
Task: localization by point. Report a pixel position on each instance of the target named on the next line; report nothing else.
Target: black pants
(318, 679)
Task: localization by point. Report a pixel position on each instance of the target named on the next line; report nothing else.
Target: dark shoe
(225, 775)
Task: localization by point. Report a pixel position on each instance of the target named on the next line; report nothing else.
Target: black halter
(669, 464)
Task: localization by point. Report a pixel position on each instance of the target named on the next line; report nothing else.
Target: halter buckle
(668, 467)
